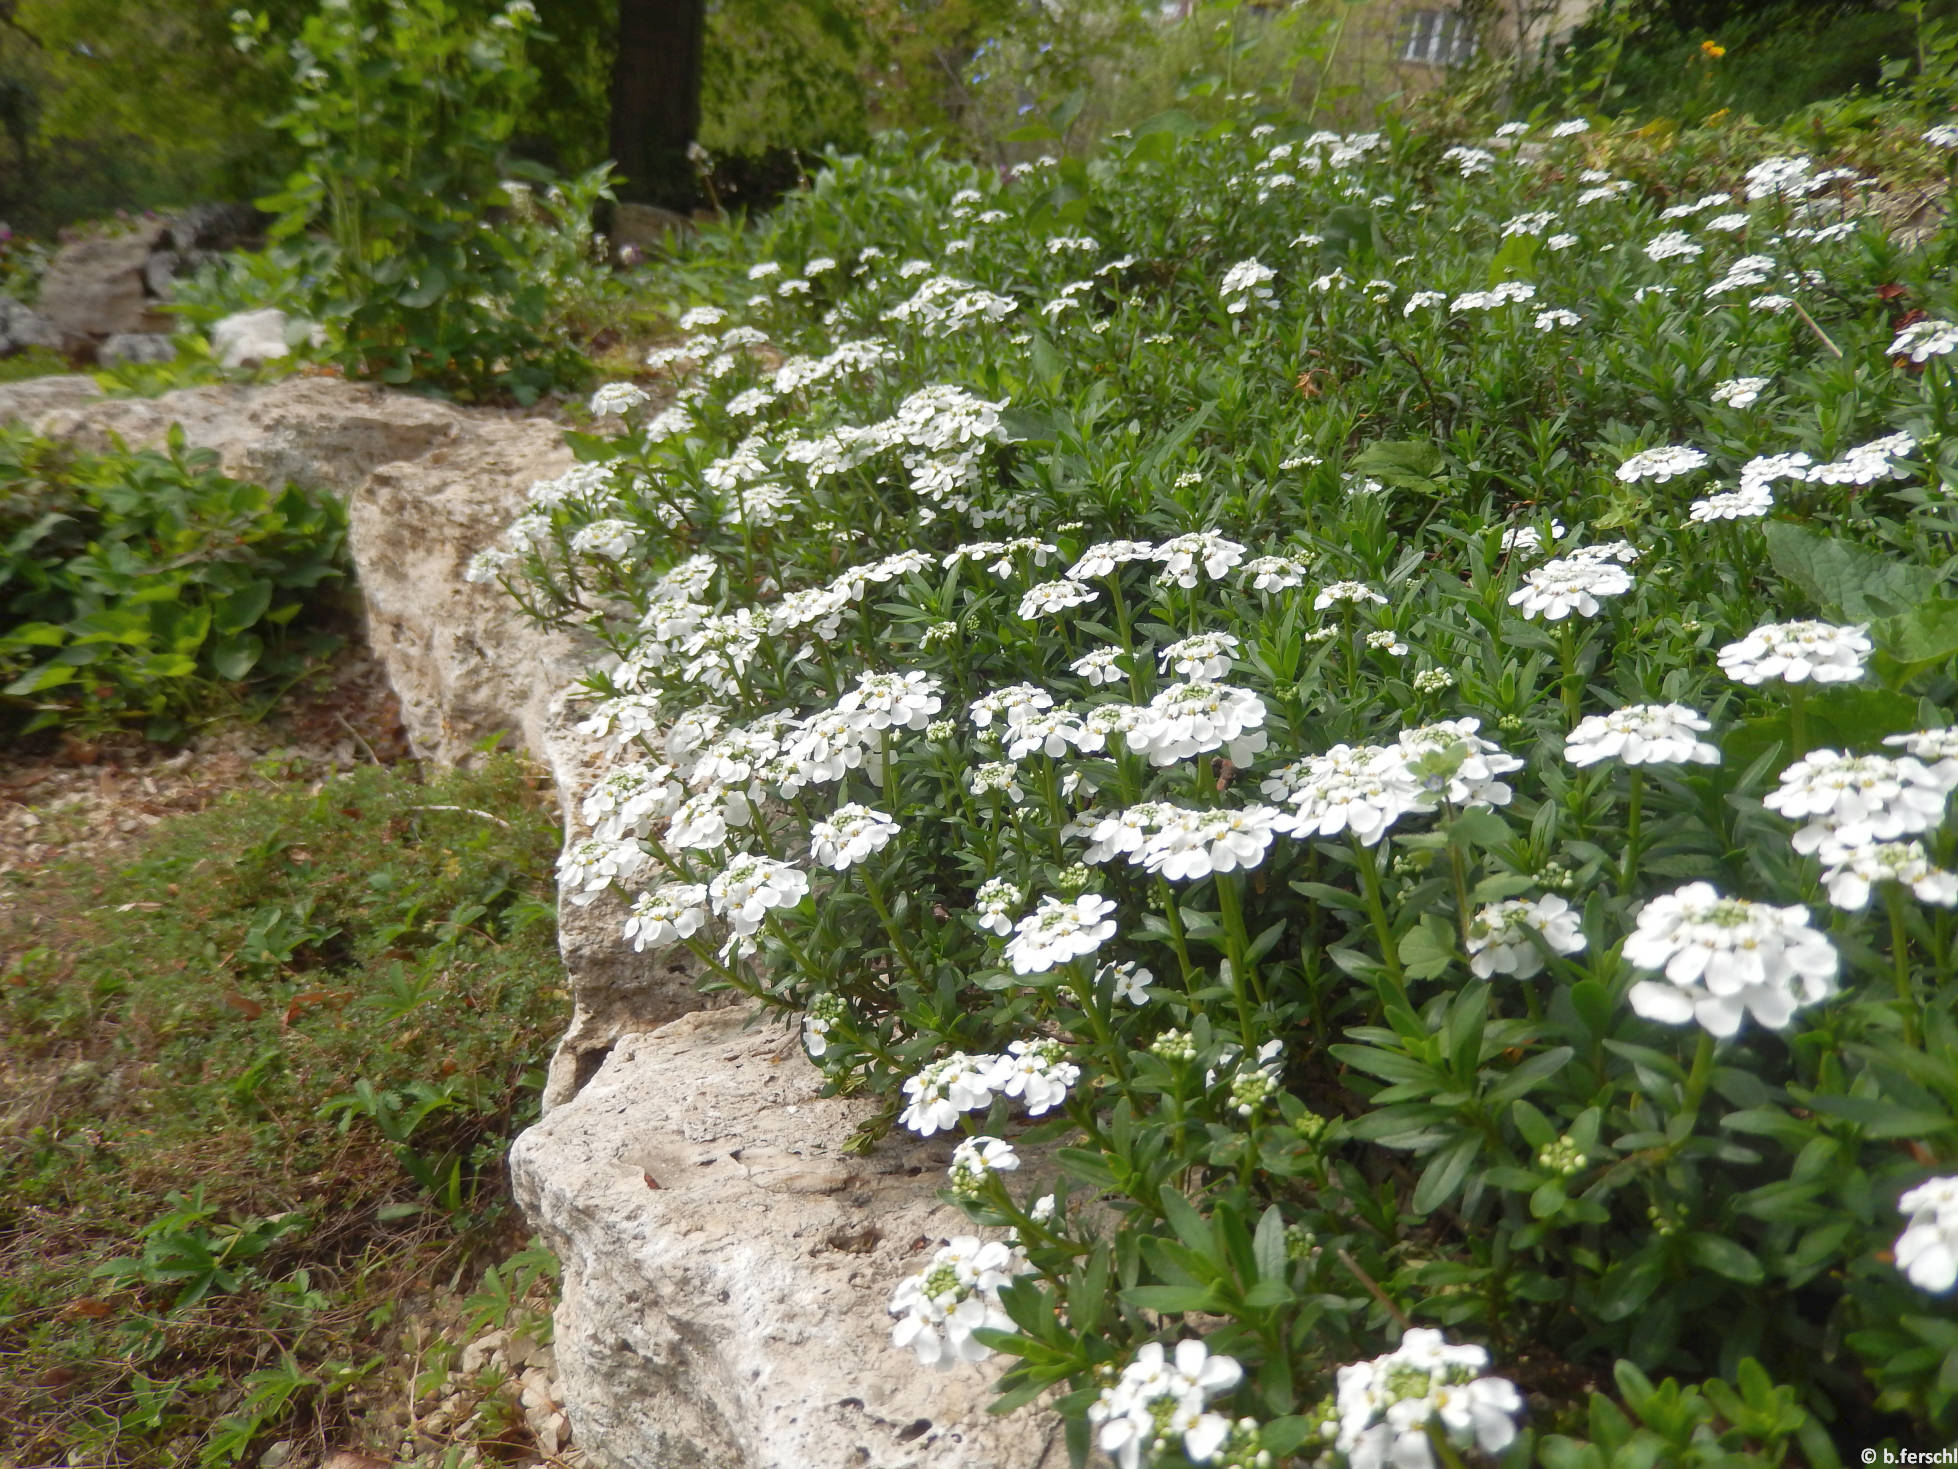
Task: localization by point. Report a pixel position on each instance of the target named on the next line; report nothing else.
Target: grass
(258, 1085)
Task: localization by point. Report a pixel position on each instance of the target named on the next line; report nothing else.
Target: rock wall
(726, 1261)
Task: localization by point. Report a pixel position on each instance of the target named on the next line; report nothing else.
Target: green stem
(1573, 687)
(1238, 944)
(1701, 1074)
(1458, 867)
(1173, 915)
(1798, 719)
(1377, 910)
(1900, 956)
(1632, 828)
(871, 886)
(1084, 993)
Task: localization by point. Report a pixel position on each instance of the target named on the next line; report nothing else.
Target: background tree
(656, 99)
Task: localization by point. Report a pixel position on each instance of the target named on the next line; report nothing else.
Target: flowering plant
(1329, 841)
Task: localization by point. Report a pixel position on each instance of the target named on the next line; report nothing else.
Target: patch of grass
(258, 1088)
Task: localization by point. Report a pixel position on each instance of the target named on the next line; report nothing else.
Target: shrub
(404, 112)
(148, 586)
(1250, 666)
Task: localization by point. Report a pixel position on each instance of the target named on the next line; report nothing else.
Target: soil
(95, 797)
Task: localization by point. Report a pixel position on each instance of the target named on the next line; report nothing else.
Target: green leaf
(1179, 1299)
(1445, 1174)
(1427, 950)
(1845, 578)
(1407, 463)
(1268, 1244)
(1724, 1257)
(242, 608)
(234, 657)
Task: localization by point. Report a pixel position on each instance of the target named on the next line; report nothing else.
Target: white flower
(1188, 719)
(883, 701)
(1245, 282)
(1451, 761)
(1922, 339)
(1382, 1411)
(1497, 296)
(977, 1159)
(1058, 931)
(1942, 135)
(750, 886)
(1130, 981)
(1569, 584)
(1927, 1250)
(1183, 555)
(1642, 734)
(1854, 800)
(1727, 958)
(1098, 667)
(1387, 641)
(1570, 128)
(850, 835)
(942, 1091)
(1037, 1072)
(1764, 470)
(1190, 845)
(1102, 559)
(670, 914)
(1672, 245)
(1053, 597)
(1340, 592)
(955, 1295)
(1858, 869)
(1422, 300)
(1158, 1398)
(1205, 656)
(1740, 392)
(1361, 790)
(1747, 503)
(1867, 463)
(1014, 704)
(1662, 464)
(1524, 539)
(995, 902)
(587, 869)
(1499, 935)
(1551, 320)
(1798, 652)
(1937, 748)
(695, 318)
(1275, 573)
(617, 398)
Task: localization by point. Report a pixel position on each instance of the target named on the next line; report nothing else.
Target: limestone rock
(136, 347)
(727, 1266)
(34, 400)
(94, 288)
(250, 338)
(22, 327)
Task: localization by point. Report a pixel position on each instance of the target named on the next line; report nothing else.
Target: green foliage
(1327, 1114)
(403, 115)
(265, 996)
(148, 586)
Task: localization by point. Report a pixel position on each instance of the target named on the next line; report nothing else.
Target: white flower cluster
(1037, 1072)
(1850, 801)
(1502, 937)
(1642, 734)
(1161, 1401)
(1798, 652)
(1927, 1250)
(1382, 1411)
(941, 1306)
(1724, 959)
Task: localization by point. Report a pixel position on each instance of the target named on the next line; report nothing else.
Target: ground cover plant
(1374, 710)
(260, 1083)
(149, 588)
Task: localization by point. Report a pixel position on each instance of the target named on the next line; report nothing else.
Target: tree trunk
(656, 99)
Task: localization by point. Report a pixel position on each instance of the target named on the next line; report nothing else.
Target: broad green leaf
(1845, 578)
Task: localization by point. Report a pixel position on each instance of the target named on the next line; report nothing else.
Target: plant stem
(1900, 957)
(1632, 828)
(871, 886)
(1377, 910)
(1230, 902)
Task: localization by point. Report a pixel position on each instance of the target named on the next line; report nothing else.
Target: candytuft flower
(1798, 652)
(1159, 1401)
(1499, 936)
(1569, 584)
(1927, 1250)
(1059, 930)
(1724, 959)
(1642, 734)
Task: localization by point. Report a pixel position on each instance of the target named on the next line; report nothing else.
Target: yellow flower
(1712, 50)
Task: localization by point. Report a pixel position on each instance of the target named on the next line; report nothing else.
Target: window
(1435, 38)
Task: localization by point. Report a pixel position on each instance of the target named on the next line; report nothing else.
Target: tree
(656, 99)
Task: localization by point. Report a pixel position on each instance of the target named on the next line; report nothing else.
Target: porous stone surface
(22, 327)
(95, 288)
(727, 1263)
(136, 347)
